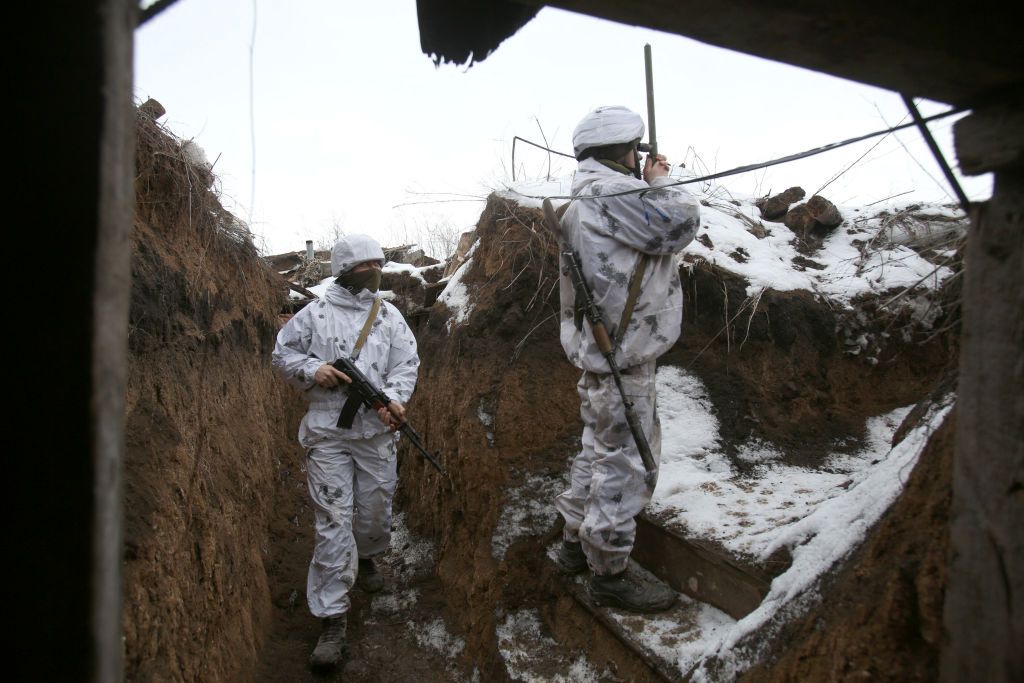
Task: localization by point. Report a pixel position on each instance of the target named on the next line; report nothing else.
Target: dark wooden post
(75, 119)
(984, 608)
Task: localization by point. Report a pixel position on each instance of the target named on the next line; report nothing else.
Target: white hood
(351, 250)
(610, 125)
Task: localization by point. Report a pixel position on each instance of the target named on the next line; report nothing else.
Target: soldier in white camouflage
(624, 224)
(351, 472)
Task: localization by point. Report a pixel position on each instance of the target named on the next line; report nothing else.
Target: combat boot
(571, 558)
(331, 646)
(368, 578)
(633, 589)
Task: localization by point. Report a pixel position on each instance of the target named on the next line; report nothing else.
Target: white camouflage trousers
(351, 484)
(606, 482)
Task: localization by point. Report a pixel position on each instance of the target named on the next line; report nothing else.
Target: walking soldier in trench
(625, 230)
(351, 472)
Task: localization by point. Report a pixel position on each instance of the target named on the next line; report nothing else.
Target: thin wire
(252, 112)
(841, 173)
(547, 149)
(741, 169)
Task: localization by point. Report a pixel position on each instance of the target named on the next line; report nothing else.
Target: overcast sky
(320, 113)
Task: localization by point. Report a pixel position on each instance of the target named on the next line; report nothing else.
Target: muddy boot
(632, 590)
(368, 578)
(570, 558)
(331, 646)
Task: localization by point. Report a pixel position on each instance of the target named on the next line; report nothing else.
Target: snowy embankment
(820, 516)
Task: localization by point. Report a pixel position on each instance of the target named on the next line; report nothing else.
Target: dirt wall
(207, 423)
(881, 616)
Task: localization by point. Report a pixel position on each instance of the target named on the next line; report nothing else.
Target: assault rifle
(362, 392)
(593, 314)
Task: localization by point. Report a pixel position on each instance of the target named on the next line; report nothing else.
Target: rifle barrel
(652, 131)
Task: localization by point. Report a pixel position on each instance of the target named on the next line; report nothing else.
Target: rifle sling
(354, 402)
(634, 294)
(634, 288)
(365, 332)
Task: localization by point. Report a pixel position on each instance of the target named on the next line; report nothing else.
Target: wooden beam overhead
(924, 50)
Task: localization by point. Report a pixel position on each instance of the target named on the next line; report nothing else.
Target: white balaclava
(352, 250)
(611, 125)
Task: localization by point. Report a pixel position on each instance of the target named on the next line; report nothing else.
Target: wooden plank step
(654, 639)
(703, 571)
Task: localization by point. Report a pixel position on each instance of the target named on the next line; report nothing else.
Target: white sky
(349, 119)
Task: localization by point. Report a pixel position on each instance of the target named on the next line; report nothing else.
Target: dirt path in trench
(407, 632)
(399, 634)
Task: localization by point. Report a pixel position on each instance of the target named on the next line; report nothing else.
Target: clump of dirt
(206, 422)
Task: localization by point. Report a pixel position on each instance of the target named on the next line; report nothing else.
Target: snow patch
(533, 657)
(699, 489)
(826, 535)
(487, 420)
(396, 268)
(434, 636)
(390, 604)
(456, 295)
(528, 511)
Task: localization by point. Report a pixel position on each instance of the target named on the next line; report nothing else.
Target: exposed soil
(881, 617)
(205, 423)
(218, 526)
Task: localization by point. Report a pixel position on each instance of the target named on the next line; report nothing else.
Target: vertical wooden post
(984, 607)
(111, 297)
(63, 483)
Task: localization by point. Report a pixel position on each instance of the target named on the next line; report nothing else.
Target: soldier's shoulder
(391, 312)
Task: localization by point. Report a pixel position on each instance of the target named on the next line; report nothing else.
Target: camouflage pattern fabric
(609, 233)
(607, 486)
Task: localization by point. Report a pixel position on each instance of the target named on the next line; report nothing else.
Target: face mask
(364, 279)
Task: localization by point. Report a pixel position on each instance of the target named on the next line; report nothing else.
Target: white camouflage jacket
(610, 234)
(323, 331)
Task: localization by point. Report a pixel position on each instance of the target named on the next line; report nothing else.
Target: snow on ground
(680, 636)
(434, 635)
(820, 516)
(407, 556)
(534, 657)
(692, 634)
(846, 271)
(486, 416)
(699, 489)
(527, 511)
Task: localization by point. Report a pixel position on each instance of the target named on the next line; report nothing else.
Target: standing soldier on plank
(626, 230)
